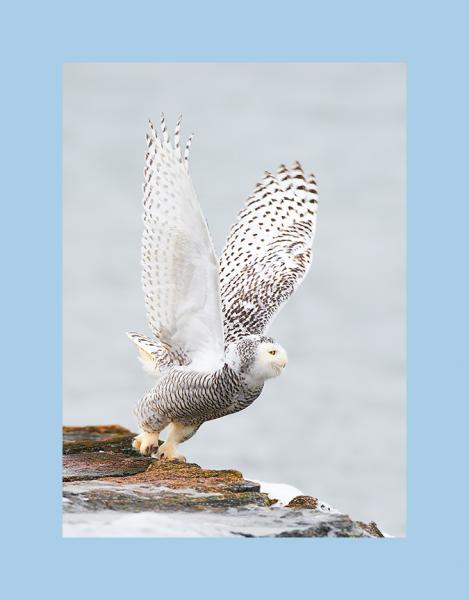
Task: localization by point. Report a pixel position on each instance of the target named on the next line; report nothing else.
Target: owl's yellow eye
(273, 352)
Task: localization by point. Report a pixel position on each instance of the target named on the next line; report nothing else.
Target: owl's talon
(145, 443)
(167, 452)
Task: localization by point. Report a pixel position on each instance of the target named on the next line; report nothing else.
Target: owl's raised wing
(268, 251)
(180, 271)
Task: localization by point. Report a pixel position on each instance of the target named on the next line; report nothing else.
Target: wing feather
(154, 355)
(268, 251)
(180, 271)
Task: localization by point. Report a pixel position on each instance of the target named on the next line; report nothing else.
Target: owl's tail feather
(155, 355)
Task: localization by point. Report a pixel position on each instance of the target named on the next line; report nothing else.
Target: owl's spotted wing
(180, 271)
(268, 251)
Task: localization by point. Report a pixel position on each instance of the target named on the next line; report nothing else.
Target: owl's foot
(146, 443)
(168, 452)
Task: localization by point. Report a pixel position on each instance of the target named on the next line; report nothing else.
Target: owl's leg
(178, 433)
(146, 442)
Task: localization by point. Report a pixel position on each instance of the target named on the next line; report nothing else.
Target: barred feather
(268, 251)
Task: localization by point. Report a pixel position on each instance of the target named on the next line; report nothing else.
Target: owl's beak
(282, 362)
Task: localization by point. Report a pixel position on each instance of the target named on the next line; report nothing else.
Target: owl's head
(257, 357)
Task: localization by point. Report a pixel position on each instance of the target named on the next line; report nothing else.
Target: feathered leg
(178, 433)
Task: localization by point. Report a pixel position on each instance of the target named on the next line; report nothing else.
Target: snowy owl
(209, 354)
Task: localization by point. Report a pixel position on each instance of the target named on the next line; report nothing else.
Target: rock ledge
(106, 482)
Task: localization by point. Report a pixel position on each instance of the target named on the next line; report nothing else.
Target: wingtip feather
(164, 129)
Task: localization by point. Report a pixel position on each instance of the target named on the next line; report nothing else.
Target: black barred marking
(192, 397)
(270, 275)
(162, 354)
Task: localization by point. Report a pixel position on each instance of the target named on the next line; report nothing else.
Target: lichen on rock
(95, 438)
(93, 465)
(303, 502)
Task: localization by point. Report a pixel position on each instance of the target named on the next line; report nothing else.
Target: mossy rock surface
(103, 475)
(106, 438)
(94, 465)
(87, 433)
(371, 528)
(141, 497)
(303, 502)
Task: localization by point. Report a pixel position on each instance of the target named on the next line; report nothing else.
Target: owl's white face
(257, 357)
(270, 360)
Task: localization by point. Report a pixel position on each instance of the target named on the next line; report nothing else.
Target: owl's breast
(193, 397)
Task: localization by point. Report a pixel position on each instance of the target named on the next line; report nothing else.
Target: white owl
(210, 354)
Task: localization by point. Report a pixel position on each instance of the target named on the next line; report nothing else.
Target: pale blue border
(38, 39)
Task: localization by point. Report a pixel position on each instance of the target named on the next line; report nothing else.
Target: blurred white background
(334, 424)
